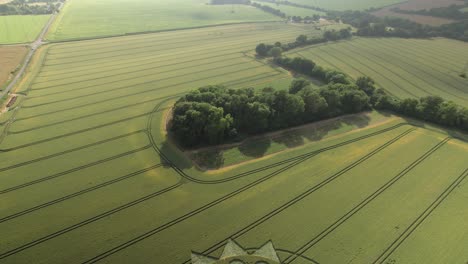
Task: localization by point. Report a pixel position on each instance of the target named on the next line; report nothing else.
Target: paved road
(34, 46)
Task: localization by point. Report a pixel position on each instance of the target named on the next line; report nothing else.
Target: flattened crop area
(87, 176)
(403, 67)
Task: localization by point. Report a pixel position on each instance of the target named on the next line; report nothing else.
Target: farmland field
(21, 29)
(87, 172)
(94, 16)
(347, 5)
(403, 67)
(10, 58)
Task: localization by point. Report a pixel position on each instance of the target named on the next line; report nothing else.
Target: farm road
(34, 46)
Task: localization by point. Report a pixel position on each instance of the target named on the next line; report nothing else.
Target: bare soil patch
(10, 60)
(419, 5)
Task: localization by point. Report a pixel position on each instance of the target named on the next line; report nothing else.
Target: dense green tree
(302, 39)
(429, 106)
(315, 105)
(297, 85)
(276, 52)
(262, 50)
(366, 84)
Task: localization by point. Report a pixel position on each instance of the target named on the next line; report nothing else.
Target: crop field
(87, 173)
(94, 16)
(21, 29)
(403, 67)
(347, 5)
(10, 58)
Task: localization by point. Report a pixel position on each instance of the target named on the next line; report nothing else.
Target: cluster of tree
(270, 10)
(370, 25)
(452, 12)
(309, 68)
(430, 108)
(24, 7)
(306, 19)
(214, 114)
(230, 2)
(275, 50)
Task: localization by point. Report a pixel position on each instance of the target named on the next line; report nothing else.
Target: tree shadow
(211, 159)
(169, 153)
(255, 148)
(290, 139)
(358, 120)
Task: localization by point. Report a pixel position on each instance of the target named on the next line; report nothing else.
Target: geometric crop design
(233, 253)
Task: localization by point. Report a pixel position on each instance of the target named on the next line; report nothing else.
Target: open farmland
(21, 29)
(148, 15)
(403, 67)
(10, 58)
(87, 173)
(347, 5)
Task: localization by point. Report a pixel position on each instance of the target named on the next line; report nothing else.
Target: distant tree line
(215, 114)
(270, 10)
(230, 2)
(431, 108)
(283, 2)
(275, 50)
(451, 12)
(370, 25)
(27, 7)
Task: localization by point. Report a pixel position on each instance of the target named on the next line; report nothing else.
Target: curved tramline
(86, 158)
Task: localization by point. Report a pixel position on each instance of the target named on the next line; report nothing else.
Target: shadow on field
(259, 146)
(255, 148)
(210, 159)
(166, 151)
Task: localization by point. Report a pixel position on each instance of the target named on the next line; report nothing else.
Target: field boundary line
(306, 193)
(159, 31)
(301, 250)
(421, 218)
